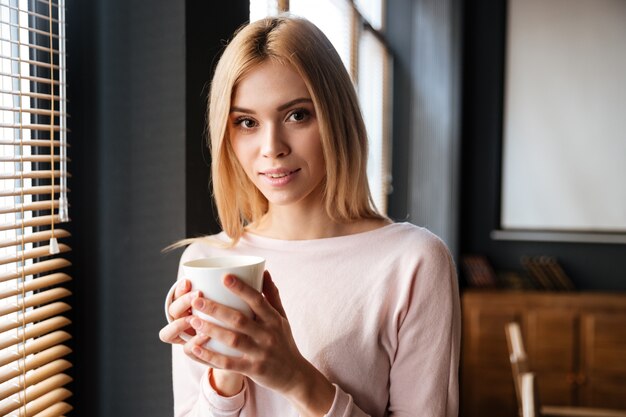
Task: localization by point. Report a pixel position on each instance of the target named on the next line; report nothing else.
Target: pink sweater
(376, 312)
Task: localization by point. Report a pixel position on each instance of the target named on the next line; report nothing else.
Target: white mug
(207, 275)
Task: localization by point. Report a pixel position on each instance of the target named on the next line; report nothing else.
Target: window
(33, 201)
(356, 30)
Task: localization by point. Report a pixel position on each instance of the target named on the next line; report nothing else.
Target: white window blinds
(33, 203)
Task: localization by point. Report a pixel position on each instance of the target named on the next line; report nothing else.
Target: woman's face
(274, 133)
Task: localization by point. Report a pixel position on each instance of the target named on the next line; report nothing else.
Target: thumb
(270, 291)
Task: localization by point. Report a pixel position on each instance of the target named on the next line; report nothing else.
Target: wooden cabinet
(603, 359)
(576, 344)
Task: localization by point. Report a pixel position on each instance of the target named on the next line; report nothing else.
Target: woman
(367, 320)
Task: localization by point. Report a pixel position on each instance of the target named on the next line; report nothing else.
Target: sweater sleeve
(424, 372)
(343, 405)
(193, 394)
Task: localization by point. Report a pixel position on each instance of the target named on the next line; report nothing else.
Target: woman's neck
(287, 224)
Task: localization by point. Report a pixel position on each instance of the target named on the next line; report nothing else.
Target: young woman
(367, 319)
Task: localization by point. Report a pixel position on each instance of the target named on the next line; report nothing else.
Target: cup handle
(168, 301)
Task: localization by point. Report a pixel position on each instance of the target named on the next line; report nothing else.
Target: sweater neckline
(272, 243)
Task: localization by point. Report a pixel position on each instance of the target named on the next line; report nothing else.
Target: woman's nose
(274, 145)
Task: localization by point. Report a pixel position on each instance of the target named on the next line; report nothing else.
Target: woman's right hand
(229, 383)
(180, 312)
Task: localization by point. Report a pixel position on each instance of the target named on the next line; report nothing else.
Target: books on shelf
(478, 272)
(546, 273)
(541, 273)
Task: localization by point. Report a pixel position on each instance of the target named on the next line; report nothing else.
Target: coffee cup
(207, 275)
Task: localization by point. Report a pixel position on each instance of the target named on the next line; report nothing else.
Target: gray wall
(426, 122)
(137, 83)
(142, 195)
(127, 91)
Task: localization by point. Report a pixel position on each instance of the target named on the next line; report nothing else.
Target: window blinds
(33, 202)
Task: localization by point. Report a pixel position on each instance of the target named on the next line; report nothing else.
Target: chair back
(529, 393)
(517, 356)
(526, 388)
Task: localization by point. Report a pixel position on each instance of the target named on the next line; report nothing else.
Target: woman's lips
(279, 177)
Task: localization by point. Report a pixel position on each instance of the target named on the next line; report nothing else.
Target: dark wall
(204, 44)
(82, 91)
(126, 82)
(136, 78)
(399, 23)
(425, 40)
(591, 266)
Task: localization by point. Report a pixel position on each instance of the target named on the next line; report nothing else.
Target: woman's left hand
(270, 355)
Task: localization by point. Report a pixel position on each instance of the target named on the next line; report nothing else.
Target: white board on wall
(564, 132)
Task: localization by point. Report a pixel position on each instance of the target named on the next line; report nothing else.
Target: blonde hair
(300, 44)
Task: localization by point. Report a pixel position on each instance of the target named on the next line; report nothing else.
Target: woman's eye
(298, 115)
(245, 123)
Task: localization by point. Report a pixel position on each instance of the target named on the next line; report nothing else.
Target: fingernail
(196, 350)
(198, 303)
(196, 322)
(181, 285)
(229, 280)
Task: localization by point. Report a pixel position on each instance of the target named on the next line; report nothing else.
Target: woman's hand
(180, 312)
(270, 355)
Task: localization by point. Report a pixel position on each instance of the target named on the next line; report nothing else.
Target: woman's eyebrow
(235, 109)
(241, 110)
(293, 102)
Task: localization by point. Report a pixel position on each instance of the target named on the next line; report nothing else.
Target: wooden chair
(526, 385)
(529, 396)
